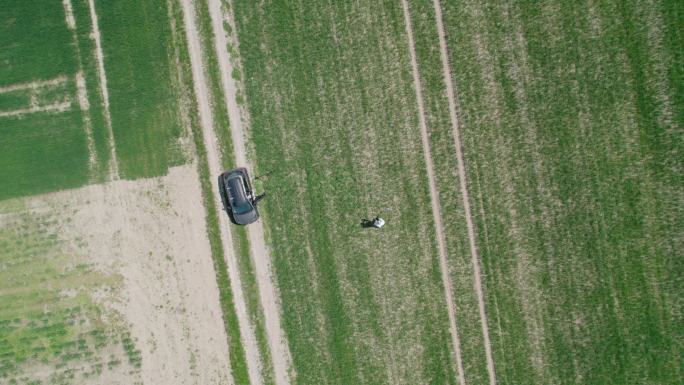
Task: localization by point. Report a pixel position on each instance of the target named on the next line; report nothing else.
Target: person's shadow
(366, 223)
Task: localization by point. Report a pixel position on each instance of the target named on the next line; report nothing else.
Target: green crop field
(142, 78)
(569, 115)
(571, 119)
(39, 144)
(333, 120)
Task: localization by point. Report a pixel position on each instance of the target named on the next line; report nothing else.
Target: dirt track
(207, 122)
(260, 255)
(451, 96)
(434, 198)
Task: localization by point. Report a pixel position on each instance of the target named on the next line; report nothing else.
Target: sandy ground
(434, 195)
(451, 97)
(268, 294)
(69, 14)
(113, 163)
(152, 233)
(213, 158)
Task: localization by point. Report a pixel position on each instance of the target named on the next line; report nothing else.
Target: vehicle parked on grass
(238, 197)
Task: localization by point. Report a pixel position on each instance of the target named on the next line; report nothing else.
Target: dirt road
(434, 197)
(475, 259)
(262, 260)
(210, 142)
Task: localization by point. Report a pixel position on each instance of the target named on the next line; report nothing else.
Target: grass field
(142, 81)
(39, 144)
(569, 115)
(332, 119)
(571, 118)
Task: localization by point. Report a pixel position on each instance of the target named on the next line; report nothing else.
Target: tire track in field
(451, 97)
(113, 162)
(82, 90)
(434, 195)
(34, 85)
(203, 96)
(61, 106)
(268, 294)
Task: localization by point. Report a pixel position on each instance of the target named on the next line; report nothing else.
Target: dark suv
(238, 197)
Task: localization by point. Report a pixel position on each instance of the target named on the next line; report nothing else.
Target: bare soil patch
(153, 233)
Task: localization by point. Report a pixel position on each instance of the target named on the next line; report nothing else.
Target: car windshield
(241, 209)
(238, 195)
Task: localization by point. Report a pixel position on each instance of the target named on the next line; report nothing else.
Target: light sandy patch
(113, 163)
(475, 259)
(87, 123)
(58, 81)
(82, 91)
(152, 232)
(56, 107)
(69, 14)
(434, 198)
(260, 255)
(213, 159)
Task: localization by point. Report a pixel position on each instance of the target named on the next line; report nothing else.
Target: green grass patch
(42, 153)
(144, 101)
(14, 100)
(568, 114)
(35, 41)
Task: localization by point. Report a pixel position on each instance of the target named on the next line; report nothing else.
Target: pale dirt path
(451, 96)
(69, 14)
(268, 294)
(213, 158)
(54, 107)
(59, 80)
(434, 195)
(113, 162)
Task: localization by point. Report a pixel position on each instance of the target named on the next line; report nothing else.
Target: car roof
(236, 185)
